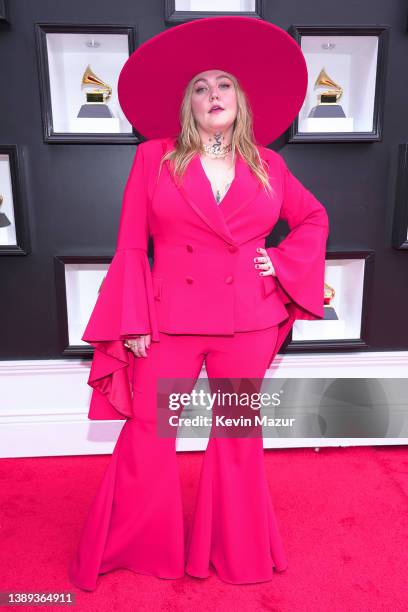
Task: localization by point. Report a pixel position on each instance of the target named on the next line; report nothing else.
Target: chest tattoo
(218, 192)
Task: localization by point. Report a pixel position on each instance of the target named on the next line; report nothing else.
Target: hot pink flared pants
(136, 518)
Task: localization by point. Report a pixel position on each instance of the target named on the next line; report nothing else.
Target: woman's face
(211, 88)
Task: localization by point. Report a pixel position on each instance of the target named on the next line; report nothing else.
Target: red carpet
(343, 515)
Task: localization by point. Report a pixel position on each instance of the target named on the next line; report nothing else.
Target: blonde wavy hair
(188, 142)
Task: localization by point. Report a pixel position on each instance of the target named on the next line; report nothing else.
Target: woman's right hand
(138, 344)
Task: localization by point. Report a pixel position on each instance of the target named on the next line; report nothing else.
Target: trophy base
(95, 110)
(4, 220)
(327, 111)
(330, 314)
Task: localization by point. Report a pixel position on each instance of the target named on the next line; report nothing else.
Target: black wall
(74, 191)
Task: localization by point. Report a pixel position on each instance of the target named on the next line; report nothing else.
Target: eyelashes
(222, 85)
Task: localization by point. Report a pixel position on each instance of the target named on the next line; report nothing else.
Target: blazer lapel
(244, 188)
(196, 190)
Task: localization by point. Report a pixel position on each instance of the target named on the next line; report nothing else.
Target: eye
(199, 89)
(225, 85)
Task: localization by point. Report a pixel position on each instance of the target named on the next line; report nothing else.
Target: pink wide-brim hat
(266, 60)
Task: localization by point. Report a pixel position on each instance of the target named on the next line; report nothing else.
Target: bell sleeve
(125, 305)
(299, 259)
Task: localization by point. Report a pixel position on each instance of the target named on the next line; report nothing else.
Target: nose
(214, 92)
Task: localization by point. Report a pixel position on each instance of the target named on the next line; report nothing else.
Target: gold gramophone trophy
(96, 97)
(4, 220)
(329, 311)
(327, 106)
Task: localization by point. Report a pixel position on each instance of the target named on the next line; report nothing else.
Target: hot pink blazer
(203, 280)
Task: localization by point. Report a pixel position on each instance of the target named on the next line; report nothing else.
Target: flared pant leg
(235, 528)
(136, 517)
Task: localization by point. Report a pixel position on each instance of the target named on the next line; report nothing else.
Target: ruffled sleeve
(125, 305)
(299, 260)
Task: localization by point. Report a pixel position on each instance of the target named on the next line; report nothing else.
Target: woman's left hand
(263, 262)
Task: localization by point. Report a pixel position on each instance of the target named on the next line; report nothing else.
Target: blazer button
(229, 280)
(232, 248)
(189, 279)
(190, 248)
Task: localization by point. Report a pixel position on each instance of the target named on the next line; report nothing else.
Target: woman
(208, 197)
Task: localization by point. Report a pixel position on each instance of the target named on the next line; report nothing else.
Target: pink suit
(203, 299)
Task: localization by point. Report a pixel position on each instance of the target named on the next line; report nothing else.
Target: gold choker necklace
(216, 151)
